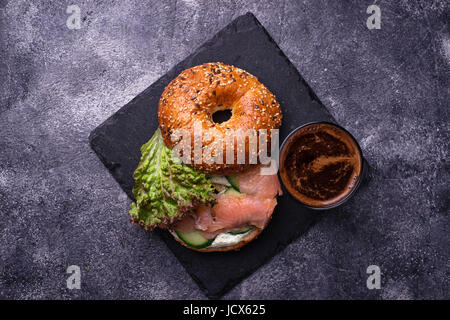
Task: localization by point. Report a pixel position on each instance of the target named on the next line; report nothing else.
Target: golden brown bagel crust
(196, 93)
(248, 238)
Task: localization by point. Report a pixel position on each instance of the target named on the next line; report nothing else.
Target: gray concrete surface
(60, 207)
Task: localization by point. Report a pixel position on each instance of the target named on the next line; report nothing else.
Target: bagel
(197, 93)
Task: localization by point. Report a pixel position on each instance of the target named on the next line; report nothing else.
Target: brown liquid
(320, 164)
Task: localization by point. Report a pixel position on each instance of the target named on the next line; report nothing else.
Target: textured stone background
(59, 206)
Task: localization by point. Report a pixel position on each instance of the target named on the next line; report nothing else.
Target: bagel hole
(221, 116)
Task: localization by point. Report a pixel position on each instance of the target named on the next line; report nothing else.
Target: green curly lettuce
(165, 188)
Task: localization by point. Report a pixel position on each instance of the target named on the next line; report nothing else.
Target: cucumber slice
(244, 230)
(194, 239)
(232, 191)
(233, 181)
(220, 180)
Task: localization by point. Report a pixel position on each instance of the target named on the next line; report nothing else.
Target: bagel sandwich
(207, 207)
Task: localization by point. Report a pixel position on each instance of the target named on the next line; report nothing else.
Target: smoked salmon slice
(263, 186)
(252, 207)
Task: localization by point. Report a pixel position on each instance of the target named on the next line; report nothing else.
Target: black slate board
(246, 44)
